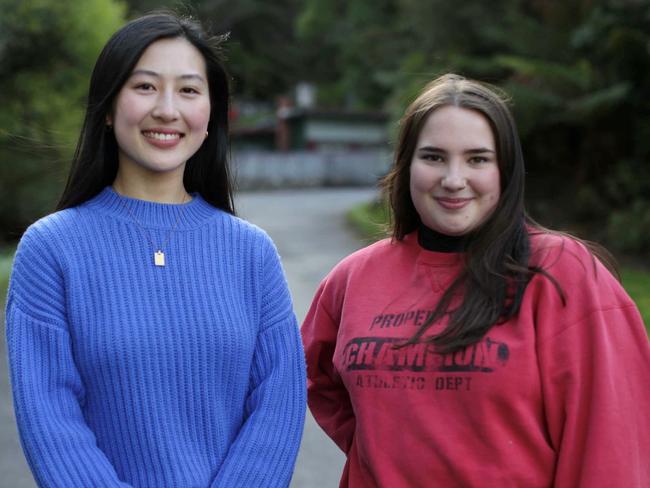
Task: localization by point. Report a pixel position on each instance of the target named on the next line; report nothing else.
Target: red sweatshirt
(557, 397)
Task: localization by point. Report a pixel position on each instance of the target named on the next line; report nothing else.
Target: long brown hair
(496, 269)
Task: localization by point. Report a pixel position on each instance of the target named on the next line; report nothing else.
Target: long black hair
(496, 270)
(95, 160)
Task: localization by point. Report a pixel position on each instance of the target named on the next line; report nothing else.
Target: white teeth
(162, 137)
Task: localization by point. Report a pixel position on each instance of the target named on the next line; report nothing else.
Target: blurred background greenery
(578, 72)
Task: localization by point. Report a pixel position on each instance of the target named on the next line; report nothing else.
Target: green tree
(263, 56)
(354, 49)
(47, 51)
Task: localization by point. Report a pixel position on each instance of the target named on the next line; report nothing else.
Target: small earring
(109, 127)
(206, 133)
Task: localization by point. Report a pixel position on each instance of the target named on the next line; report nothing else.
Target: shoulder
(354, 276)
(47, 237)
(248, 245)
(53, 225)
(39, 267)
(59, 232)
(244, 233)
(240, 226)
(563, 255)
(572, 277)
(381, 251)
(379, 262)
(548, 248)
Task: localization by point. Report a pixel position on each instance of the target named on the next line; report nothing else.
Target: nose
(454, 177)
(165, 108)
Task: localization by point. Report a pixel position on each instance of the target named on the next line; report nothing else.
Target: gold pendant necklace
(158, 255)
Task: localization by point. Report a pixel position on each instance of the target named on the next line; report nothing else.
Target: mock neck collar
(431, 240)
(152, 214)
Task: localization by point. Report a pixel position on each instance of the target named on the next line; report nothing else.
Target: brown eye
(478, 159)
(434, 158)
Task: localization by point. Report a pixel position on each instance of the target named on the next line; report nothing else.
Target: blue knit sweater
(125, 374)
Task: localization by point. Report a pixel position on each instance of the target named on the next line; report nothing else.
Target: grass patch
(369, 219)
(637, 284)
(6, 260)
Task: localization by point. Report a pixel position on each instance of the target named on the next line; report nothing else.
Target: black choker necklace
(435, 241)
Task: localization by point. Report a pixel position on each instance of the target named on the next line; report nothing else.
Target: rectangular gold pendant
(159, 258)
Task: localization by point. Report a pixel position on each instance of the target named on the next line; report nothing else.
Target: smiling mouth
(453, 203)
(162, 136)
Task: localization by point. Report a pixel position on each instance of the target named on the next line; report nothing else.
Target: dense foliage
(47, 51)
(263, 55)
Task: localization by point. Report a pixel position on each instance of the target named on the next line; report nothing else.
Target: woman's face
(161, 114)
(455, 182)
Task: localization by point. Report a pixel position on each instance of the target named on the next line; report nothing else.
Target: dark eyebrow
(479, 150)
(433, 149)
(190, 76)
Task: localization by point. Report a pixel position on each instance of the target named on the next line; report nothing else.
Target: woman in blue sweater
(151, 336)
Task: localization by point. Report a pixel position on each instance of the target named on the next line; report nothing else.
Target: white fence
(253, 170)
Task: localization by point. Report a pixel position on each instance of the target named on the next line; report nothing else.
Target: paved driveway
(308, 227)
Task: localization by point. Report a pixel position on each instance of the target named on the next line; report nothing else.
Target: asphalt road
(309, 229)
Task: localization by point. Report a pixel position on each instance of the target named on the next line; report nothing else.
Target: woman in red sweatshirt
(475, 348)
